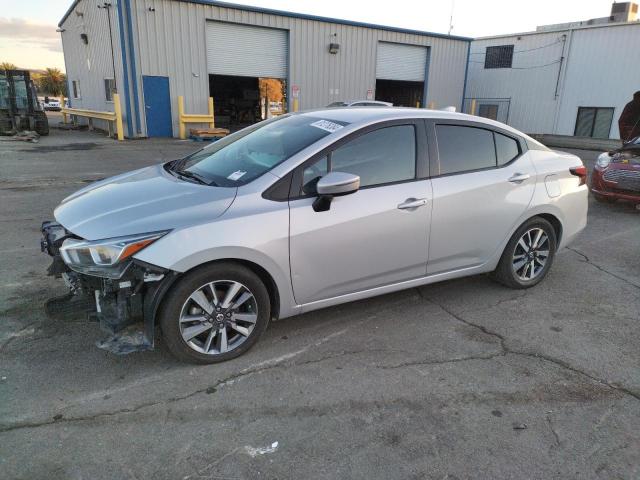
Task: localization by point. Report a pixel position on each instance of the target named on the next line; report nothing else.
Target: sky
(28, 36)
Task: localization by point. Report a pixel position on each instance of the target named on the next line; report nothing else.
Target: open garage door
(247, 68)
(400, 73)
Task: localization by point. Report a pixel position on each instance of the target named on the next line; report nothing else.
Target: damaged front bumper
(125, 307)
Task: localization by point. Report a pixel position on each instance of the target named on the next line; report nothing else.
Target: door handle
(412, 203)
(519, 177)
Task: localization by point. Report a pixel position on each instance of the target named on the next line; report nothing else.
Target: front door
(157, 106)
(485, 183)
(371, 238)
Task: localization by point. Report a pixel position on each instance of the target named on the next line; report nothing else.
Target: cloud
(37, 35)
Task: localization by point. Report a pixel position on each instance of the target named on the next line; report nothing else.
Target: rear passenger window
(461, 149)
(506, 148)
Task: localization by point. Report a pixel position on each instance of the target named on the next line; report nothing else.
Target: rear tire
(528, 256)
(41, 123)
(225, 332)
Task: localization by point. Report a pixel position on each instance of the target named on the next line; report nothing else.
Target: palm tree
(52, 81)
(8, 66)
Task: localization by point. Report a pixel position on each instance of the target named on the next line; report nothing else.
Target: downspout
(125, 70)
(134, 75)
(562, 75)
(426, 78)
(466, 73)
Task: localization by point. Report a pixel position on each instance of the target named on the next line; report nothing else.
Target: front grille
(625, 179)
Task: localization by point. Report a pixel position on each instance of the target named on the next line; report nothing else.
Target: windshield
(244, 156)
(338, 104)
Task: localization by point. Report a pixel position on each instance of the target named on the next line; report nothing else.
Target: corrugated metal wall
(603, 71)
(90, 64)
(170, 41)
(530, 84)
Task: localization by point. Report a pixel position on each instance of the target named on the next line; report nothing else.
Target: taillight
(580, 172)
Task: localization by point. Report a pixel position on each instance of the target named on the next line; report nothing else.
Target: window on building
(383, 156)
(488, 111)
(75, 88)
(109, 89)
(593, 122)
(499, 56)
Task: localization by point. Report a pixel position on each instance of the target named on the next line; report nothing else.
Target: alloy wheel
(218, 317)
(531, 254)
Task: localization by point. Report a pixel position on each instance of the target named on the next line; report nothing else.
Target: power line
(522, 51)
(522, 68)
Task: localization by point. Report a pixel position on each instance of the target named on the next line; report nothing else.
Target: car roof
(365, 115)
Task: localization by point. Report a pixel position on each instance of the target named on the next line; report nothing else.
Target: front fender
(262, 239)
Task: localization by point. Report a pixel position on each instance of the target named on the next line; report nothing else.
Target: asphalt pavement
(459, 380)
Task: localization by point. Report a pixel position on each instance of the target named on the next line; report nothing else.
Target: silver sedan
(310, 210)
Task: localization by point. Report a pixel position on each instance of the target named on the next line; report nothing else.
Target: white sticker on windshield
(236, 175)
(327, 126)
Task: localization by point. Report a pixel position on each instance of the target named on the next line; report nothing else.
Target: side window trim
(433, 144)
(422, 155)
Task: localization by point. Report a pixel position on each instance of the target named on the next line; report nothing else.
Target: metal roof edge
(565, 29)
(68, 12)
(318, 18)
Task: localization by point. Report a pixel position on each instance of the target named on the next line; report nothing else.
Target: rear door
(371, 238)
(483, 181)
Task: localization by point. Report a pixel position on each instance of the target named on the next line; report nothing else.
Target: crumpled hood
(145, 200)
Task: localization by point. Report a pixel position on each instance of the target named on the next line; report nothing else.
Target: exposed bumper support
(125, 308)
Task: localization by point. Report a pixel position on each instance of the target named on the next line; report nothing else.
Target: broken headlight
(104, 258)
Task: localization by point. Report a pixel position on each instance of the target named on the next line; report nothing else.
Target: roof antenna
(453, 3)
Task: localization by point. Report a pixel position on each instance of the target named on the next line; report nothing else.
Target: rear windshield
(245, 155)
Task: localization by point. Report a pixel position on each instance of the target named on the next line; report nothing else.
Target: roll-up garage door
(396, 61)
(246, 51)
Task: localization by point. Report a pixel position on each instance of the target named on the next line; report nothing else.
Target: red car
(616, 174)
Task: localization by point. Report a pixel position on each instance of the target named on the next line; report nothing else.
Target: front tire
(528, 256)
(215, 313)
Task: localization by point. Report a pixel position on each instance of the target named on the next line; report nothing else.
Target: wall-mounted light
(85, 38)
(334, 48)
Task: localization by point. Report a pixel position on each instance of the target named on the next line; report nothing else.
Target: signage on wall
(370, 94)
(295, 91)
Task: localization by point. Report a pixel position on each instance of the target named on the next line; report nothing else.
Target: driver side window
(386, 155)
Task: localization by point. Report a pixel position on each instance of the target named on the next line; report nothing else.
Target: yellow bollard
(182, 131)
(473, 106)
(64, 115)
(118, 111)
(212, 124)
(295, 104)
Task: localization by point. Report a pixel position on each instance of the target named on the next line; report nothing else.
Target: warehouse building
(570, 79)
(254, 62)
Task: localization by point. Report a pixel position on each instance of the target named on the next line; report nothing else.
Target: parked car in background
(616, 174)
(309, 210)
(360, 103)
(52, 104)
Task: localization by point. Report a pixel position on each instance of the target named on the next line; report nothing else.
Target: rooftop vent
(624, 12)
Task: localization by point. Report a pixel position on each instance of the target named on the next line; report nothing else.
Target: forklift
(19, 106)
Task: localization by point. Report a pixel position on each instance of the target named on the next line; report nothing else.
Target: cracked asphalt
(459, 380)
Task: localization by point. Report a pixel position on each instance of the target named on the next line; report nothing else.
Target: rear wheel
(41, 123)
(215, 313)
(528, 256)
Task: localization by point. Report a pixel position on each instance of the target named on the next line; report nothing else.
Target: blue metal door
(157, 106)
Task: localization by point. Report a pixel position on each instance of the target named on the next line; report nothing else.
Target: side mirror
(334, 184)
